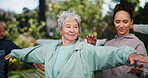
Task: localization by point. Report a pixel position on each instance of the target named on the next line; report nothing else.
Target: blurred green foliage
(22, 29)
(142, 15)
(17, 74)
(90, 12)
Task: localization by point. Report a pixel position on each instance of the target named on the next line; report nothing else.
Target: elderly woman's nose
(72, 29)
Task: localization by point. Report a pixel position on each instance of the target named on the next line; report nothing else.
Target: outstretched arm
(40, 66)
(105, 57)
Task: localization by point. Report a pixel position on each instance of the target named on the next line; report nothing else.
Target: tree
(142, 15)
(29, 25)
(42, 16)
(135, 3)
(42, 10)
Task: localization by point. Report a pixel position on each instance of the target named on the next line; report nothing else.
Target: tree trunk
(42, 10)
(42, 17)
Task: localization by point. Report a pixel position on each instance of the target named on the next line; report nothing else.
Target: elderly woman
(72, 58)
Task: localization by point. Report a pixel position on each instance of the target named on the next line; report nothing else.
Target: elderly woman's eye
(68, 26)
(75, 26)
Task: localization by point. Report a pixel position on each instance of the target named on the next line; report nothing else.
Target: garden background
(41, 23)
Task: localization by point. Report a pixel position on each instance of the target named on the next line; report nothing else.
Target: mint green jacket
(82, 60)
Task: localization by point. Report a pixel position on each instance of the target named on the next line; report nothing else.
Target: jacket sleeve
(141, 29)
(105, 57)
(141, 49)
(35, 54)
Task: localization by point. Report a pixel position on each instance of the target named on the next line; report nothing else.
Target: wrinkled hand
(40, 66)
(7, 57)
(137, 70)
(91, 39)
(135, 57)
(34, 42)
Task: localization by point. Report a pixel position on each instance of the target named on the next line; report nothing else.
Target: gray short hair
(68, 15)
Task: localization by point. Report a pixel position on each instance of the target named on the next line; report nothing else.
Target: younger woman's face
(122, 22)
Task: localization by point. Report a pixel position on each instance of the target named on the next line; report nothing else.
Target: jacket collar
(77, 46)
(128, 36)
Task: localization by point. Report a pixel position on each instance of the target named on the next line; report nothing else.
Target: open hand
(91, 39)
(7, 57)
(135, 57)
(40, 66)
(137, 70)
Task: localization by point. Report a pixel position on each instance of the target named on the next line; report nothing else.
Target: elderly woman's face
(70, 30)
(122, 22)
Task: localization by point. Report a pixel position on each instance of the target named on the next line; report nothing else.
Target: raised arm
(141, 28)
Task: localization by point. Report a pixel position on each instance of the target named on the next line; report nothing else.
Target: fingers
(141, 66)
(132, 62)
(41, 67)
(91, 39)
(131, 58)
(7, 57)
(38, 66)
(35, 65)
(137, 70)
(135, 57)
(140, 58)
(91, 36)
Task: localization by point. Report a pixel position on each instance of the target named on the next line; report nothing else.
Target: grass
(17, 74)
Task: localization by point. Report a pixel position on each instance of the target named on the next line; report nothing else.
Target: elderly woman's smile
(70, 30)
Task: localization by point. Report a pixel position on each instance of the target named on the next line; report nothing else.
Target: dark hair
(125, 6)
